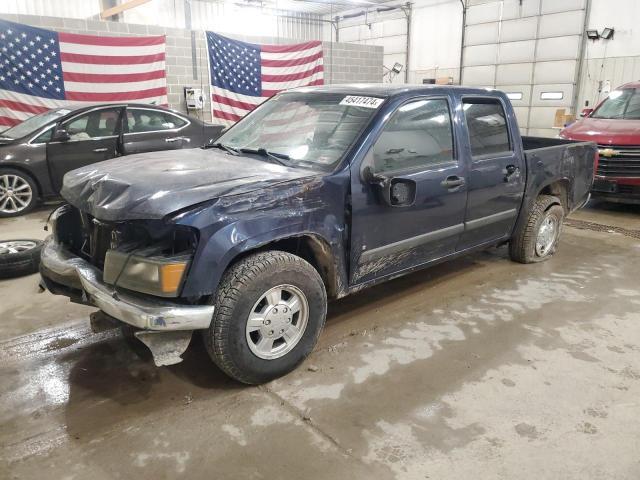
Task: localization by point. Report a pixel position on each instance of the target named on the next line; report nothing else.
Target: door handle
(510, 171)
(172, 139)
(98, 150)
(453, 182)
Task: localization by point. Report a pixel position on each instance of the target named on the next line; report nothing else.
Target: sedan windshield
(311, 130)
(624, 104)
(32, 124)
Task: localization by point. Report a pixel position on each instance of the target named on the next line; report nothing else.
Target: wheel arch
(26, 171)
(311, 247)
(560, 189)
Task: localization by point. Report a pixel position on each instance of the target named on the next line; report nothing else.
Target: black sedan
(35, 154)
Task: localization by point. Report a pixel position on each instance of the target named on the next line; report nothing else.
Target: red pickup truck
(615, 126)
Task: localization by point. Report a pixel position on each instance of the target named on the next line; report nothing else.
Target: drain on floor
(598, 227)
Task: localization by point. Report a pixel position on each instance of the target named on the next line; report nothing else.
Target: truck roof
(390, 90)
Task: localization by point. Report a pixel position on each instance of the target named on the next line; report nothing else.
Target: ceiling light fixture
(607, 33)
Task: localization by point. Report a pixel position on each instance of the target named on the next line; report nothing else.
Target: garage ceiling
(318, 7)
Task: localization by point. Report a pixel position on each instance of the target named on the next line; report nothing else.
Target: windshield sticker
(357, 101)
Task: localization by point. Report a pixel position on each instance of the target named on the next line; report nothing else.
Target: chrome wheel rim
(547, 235)
(15, 193)
(16, 246)
(277, 322)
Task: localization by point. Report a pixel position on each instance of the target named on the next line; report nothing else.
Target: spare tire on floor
(19, 257)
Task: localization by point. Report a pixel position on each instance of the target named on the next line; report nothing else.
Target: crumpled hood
(153, 185)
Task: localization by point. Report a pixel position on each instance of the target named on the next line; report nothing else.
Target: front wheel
(18, 193)
(269, 311)
(537, 239)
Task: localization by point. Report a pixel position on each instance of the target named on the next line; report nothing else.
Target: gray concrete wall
(343, 62)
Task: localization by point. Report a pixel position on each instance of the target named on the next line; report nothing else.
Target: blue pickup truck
(318, 193)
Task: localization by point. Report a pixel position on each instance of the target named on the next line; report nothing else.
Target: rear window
(487, 126)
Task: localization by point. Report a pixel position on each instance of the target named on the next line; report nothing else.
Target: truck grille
(619, 161)
(97, 239)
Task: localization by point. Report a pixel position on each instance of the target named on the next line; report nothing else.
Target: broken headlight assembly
(159, 269)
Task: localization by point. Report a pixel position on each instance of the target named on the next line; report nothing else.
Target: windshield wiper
(226, 148)
(279, 158)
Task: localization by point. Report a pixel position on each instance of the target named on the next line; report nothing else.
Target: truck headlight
(156, 275)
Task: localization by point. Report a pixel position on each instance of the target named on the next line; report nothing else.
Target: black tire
(242, 285)
(522, 247)
(26, 178)
(15, 262)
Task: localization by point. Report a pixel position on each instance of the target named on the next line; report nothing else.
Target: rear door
(93, 137)
(150, 130)
(415, 159)
(496, 177)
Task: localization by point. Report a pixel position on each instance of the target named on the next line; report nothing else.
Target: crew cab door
(409, 192)
(150, 130)
(87, 138)
(496, 178)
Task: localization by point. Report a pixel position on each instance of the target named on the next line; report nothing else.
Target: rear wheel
(270, 309)
(18, 193)
(537, 239)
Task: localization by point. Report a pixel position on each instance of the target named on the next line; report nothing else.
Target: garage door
(529, 49)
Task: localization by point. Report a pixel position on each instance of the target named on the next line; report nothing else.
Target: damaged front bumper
(64, 273)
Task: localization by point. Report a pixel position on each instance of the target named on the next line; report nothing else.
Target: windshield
(623, 103)
(303, 129)
(32, 124)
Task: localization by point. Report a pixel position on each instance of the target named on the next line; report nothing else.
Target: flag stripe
(233, 103)
(271, 88)
(22, 107)
(293, 62)
(8, 121)
(105, 50)
(111, 41)
(113, 77)
(226, 116)
(117, 96)
(290, 48)
(114, 87)
(111, 59)
(292, 76)
(70, 67)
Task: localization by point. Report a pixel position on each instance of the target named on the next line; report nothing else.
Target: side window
(95, 124)
(487, 125)
(418, 135)
(141, 120)
(44, 137)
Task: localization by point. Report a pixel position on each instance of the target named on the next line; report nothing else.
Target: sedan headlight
(156, 275)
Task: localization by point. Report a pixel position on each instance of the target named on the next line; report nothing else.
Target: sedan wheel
(17, 195)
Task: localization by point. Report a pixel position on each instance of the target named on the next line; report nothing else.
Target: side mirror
(586, 112)
(394, 191)
(60, 135)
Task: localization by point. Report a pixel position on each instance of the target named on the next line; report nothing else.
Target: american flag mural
(243, 75)
(42, 69)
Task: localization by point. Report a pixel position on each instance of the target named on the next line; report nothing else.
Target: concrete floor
(479, 368)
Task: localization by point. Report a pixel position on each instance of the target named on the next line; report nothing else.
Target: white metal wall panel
(482, 33)
(488, 12)
(555, 6)
(514, 74)
(563, 71)
(558, 48)
(517, 52)
(536, 52)
(480, 54)
(517, 9)
(480, 76)
(519, 29)
(559, 24)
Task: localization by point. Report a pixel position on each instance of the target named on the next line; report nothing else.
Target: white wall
(611, 63)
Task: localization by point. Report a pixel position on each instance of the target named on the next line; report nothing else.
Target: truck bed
(563, 160)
